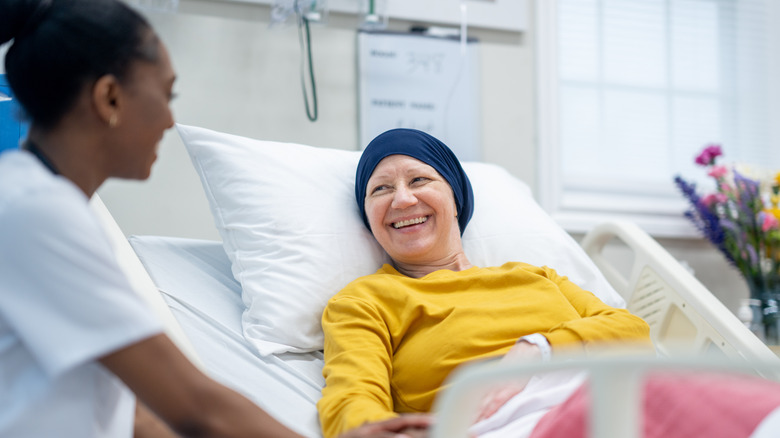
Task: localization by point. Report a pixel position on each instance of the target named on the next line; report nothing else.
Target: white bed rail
(140, 280)
(615, 382)
(683, 315)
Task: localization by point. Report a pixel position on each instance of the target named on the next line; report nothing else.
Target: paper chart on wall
(411, 80)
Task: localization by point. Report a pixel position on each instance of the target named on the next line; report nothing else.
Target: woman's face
(411, 210)
(144, 116)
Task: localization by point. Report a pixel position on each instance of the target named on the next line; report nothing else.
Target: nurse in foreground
(80, 354)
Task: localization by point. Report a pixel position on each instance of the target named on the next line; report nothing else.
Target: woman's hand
(523, 351)
(405, 426)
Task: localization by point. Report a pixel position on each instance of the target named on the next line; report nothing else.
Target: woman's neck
(456, 262)
(72, 156)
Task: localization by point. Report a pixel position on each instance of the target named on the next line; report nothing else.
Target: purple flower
(737, 221)
(708, 155)
(748, 194)
(753, 255)
(746, 186)
(704, 219)
(730, 225)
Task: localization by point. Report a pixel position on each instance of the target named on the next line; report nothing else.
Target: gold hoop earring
(112, 121)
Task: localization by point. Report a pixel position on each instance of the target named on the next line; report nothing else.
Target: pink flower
(768, 221)
(713, 199)
(718, 172)
(708, 155)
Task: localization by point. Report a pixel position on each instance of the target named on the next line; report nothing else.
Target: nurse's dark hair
(61, 46)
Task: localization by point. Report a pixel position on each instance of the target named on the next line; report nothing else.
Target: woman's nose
(403, 198)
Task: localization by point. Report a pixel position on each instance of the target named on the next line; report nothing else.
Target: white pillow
(292, 231)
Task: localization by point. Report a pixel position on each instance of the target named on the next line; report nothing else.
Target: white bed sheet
(190, 274)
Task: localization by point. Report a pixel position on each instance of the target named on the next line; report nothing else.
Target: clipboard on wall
(414, 80)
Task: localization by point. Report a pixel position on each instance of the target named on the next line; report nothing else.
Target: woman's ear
(106, 98)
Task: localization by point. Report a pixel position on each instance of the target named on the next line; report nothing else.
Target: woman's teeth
(406, 223)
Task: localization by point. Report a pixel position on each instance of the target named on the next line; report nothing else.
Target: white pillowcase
(292, 231)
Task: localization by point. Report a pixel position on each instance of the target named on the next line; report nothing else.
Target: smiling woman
(411, 211)
(392, 337)
(143, 117)
(415, 200)
(427, 149)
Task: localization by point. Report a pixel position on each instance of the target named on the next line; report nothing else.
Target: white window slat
(636, 88)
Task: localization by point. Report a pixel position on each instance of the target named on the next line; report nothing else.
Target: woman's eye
(378, 189)
(419, 179)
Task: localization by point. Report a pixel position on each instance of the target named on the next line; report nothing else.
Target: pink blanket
(679, 405)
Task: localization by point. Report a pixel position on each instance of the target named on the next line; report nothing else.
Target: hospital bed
(270, 202)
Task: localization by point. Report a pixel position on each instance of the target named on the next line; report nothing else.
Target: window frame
(580, 210)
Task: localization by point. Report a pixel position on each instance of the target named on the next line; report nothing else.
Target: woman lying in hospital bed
(391, 338)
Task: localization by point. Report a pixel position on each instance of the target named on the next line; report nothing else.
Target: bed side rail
(683, 315)
(615, 382)
(140, 280)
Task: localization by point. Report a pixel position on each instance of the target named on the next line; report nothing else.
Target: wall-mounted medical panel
(418, 81)
(506, 15)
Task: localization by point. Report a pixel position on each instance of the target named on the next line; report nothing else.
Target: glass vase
(751, 313)
(771, 320)
(769, 313)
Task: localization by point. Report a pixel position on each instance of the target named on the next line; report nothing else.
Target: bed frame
(683, 315)
(141, 282)
(615, 384)
(690, 327)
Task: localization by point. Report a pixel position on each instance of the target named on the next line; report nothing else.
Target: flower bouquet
(741, 218)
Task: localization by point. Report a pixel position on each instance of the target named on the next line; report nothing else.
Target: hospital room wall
(238, 75)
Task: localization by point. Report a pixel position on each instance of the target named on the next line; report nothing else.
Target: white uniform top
(64, 302)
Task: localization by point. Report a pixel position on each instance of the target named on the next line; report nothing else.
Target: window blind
(641, 86)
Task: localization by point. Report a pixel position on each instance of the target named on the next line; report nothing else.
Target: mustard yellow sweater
(391, 340)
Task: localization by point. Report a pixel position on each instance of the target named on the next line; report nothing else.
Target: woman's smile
(410, 222)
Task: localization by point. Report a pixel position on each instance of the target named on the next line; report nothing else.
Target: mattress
(195, 279)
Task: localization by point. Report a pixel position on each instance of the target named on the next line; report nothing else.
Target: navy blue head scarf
(426, 148)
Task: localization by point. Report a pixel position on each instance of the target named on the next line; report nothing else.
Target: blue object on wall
(12, 130)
